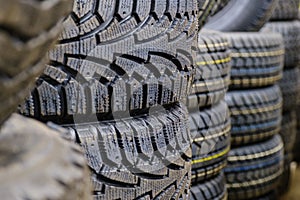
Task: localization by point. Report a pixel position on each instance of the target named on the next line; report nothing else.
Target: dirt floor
(294, 193)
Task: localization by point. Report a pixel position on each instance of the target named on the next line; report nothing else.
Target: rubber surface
(254, 170)
(242, 15)
(210, 130)
(255, 114)
(290, 87)
(290, 32)
(26, 34)
(119, 56)
(289, 131)
(212, 70)
(212, 189)
(142, 157)
(37, 164)
(257, 59)
(286, 10)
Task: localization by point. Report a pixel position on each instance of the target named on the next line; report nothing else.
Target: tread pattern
(286, 10)
(31, 153)
(142, 157)
(208, 8)
(254, 170)
(255, 114)
(290, 32)
(212, 70)
(290, 85)
(257, 59)
(118, 56)
(212, 189)
(25, 48)
(210, 130)
(234, 18)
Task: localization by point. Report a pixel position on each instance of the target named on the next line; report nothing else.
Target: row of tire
(262, 99)
(118, 80)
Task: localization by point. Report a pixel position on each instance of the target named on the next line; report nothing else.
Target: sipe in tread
(146, 156)
(254, 170)
(212, 70)
(255, 114)
(211, 189)
(210, 130)
(257, 59)
(118, 56)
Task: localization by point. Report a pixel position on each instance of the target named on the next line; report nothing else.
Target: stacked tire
(209, 117)
(284, 21)
(255, 161)
(115, 80)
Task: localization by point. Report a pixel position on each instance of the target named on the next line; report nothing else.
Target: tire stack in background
(255, 161)
(115, 80)
(284, 21)
(209, 117)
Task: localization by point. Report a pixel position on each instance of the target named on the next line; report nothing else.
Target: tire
(255, 114)
(212, 70)
(210, 130)
(290, 32)
(289, 131)
(142, 157)
(242, 15)
(257, 59)
(290, 85)
(139, 57)
(208, 8)
(286, 10)
(37, 164)
(254, 170)
(213, 189)
(25, 48)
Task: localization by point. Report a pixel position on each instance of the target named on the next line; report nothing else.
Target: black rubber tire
(289, 131)
(212, 189)
(37, 164)
(290, 87)
(290, 32)
(142, 157)
(210, 130)
(26, 34)
(242, 15)
(286, 10)
(212, 70)
(254, 170)
(255, 114)
(257, 59)
(127, 57)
